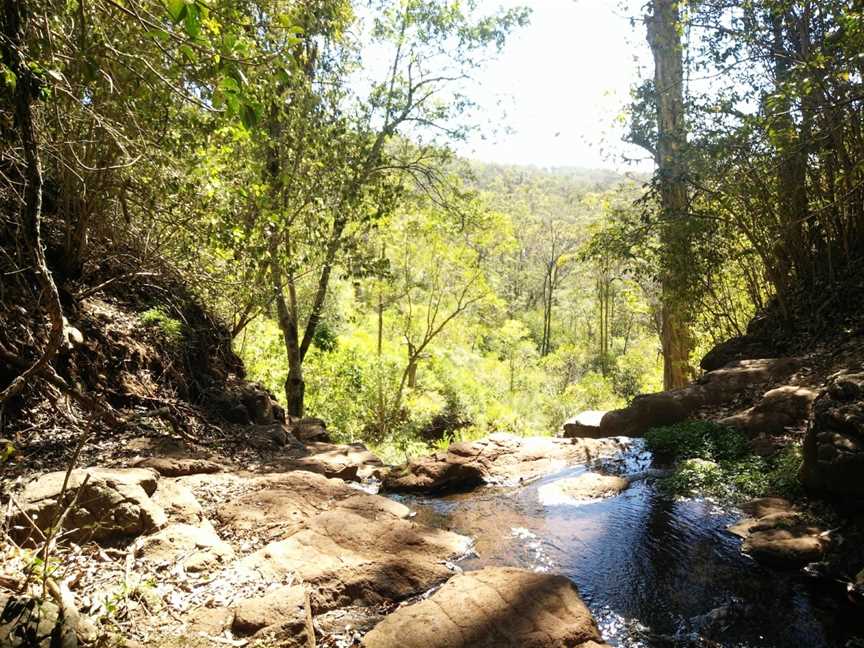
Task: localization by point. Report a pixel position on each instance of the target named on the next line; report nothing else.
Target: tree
(344, 171)
(438, 261)
(664, 37)
(22, 88)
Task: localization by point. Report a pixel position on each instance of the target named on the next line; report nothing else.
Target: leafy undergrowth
(712, 460)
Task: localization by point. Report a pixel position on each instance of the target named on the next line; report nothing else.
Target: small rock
(276, 607)
(178, 502)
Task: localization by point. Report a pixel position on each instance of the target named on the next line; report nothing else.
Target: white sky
(562, 82)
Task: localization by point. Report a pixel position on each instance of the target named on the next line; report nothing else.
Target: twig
(26, 516)
(310, 628)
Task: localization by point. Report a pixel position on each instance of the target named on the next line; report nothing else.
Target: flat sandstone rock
(496, 607)
(585, 487)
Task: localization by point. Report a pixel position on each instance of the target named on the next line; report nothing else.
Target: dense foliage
(716, 461)
(292, 162)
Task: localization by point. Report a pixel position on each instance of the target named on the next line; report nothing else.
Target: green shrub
(716, 461)
(697, 440)
(171, 328)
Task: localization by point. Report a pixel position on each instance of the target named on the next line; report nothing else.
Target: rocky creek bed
(507, 541)
(653, 570)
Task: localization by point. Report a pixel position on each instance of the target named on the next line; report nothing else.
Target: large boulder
(496, 607)
(501, 458)
(30, 623)
(249, 403)
(180, 466)
(778, 411)
(834, 444)
(736, 349)
(361, 553)
(584, 425)
(351, 462)
(310, 429)
(105, 504)
(676, 405)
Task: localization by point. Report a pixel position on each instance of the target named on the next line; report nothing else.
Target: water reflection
(655, 571)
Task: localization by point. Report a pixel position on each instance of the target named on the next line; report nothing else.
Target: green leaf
(249, 115)
(229, 84)
(9, 78)
(192, 20)
(176, 9)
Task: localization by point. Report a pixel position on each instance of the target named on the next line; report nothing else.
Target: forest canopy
(293, 163)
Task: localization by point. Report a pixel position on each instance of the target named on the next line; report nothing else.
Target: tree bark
(26, 90)
(665, 41)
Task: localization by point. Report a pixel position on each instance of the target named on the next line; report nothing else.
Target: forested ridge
(238, 237)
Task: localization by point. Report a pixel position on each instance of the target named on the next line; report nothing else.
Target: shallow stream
(651, 568)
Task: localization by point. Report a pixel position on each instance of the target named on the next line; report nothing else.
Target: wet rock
(778, 535)
(778, 410)
(764, 506)
(587, 486)
(180, 466)
(494, 607)
(501, 458)
(793, 546)
(676, 405)
(834, 443)
(348, 559)
(584, 425)
(111, 503)
(197, 548)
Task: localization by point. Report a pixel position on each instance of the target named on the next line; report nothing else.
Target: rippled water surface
(650, 568)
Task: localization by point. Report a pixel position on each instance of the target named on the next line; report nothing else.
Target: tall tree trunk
(665, 41)
(26, 90)
(412, 374)
(792, 167)
(295, 387)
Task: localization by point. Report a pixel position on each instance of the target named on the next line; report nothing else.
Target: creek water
(651, 568)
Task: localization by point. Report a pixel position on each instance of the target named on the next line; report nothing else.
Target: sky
(562, 83)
